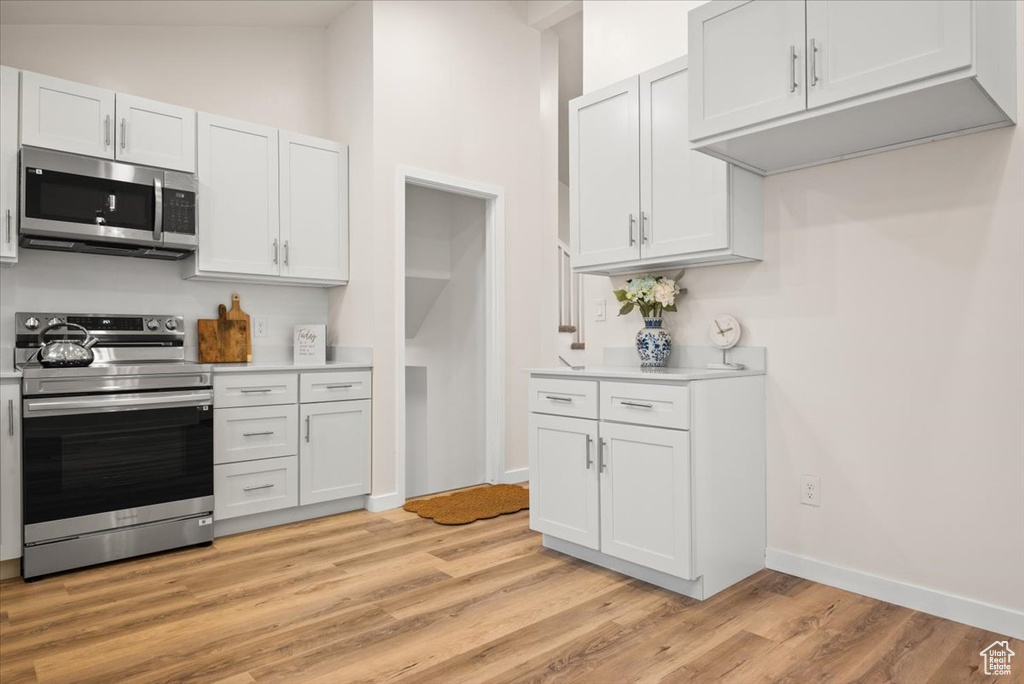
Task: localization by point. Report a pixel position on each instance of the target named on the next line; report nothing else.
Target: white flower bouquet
(651, 294)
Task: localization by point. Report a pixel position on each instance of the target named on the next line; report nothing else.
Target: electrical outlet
(261, 327)
(600, 309)
(810, 490)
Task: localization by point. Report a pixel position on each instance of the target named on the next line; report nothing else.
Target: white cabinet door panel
(63, 115)
(564, 479)
(742, 62)
(862, 47)
(155, 134)
(314, 207)
(334, 451)
(684, 196)
(238, 197)
(10, 470)
(604, 170)
(8, 164)
(645, 497)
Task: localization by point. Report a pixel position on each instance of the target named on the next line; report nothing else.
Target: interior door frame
(494, 315)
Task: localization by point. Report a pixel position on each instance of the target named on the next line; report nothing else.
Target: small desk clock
(725, 333)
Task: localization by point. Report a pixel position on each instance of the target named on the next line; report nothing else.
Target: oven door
(99, 462)
(69, 196)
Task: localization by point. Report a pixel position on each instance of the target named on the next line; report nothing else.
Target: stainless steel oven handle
(123, 402)
(158, 209)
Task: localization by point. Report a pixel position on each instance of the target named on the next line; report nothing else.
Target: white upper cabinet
(238, 197)
(774, 92)
(640, 198)
(155, 134)
(334, 452)
(751, 57)
(855, 48)
(8, 165)
(604, 165)
(314, 207)
(82, 119)
(63, 115)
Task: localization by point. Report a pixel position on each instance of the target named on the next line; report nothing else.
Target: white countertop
(10, 374)
(643, 374)
(265, 367)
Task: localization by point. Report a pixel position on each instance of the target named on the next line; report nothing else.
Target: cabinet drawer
(658, 405)
(251, 432)
(255, 486)
(255, 389)
(335, 386)
(574, 398)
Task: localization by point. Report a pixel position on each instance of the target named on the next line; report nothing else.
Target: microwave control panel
(179, 212)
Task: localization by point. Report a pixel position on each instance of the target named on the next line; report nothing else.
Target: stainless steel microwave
(73, 203)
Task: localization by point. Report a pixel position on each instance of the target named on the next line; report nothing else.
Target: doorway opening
(450, 351)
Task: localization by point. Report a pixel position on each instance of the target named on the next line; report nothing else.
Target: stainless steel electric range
(117, 456)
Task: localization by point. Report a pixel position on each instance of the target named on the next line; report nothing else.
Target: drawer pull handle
(637, 404)
(10, 417)
(256, 391)
(257, 434)
(345, 386)
(255, 487)
(555, 397)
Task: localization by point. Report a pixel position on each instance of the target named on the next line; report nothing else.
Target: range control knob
(54, 321)
(152, 324)
(171, 324)
(32, 323)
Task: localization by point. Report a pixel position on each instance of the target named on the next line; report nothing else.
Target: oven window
(58, 196)
(94, 463)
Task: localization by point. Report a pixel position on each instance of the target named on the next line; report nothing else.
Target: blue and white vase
(653, 344)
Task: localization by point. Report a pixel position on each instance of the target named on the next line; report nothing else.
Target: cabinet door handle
(275, 250)
(10, 417)
(124, 132)
(106, 131)
(814, 63)
(253, 488)
(632, 223)
(637, 404)
(257, 434)
(601, 446)
(8, 226)
(555, 397)
(345, 386)
(255, 391)
(792, 69)
(307, 428)
(590, 462)
(286, 252)
(643, 227)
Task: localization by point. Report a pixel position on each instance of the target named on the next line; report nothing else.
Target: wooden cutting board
(235, 313)
(223, 340)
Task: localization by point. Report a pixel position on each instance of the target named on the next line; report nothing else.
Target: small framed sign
(310, 345)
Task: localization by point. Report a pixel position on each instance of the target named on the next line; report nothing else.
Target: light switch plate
(600, 309)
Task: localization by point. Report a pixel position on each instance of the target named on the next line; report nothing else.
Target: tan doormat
(470, 505)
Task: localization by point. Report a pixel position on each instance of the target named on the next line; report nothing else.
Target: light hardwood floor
(364, 597)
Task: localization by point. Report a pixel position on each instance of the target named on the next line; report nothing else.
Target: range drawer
(254, 389)
(574, 398)
(334, 386)
(251, 432)
(665, 406)
(255, 486)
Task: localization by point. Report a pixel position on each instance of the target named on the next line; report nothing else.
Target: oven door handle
(37, 408)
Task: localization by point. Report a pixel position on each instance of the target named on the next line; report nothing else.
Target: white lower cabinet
(334, 454)
(646, 497)
(663, 481)
(10, 469)
(278, 444)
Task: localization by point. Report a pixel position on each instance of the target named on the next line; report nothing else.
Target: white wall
(456, 91)
(450, 343)
(274, 76)
(891, 301)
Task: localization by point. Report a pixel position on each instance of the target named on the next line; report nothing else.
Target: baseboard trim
(516, 476)
(375, 503)
(258, 521)
(957, 608)
(10, 568)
